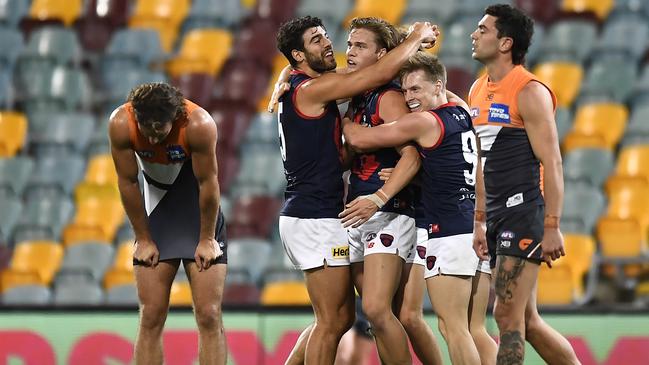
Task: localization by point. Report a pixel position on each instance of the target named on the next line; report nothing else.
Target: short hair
(513, 23)
(157, 102)
(385, 34)
(289, 35)
(424, 61)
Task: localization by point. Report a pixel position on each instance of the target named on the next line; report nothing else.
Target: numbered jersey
(448, 174)
(365, 179)
(310, 148)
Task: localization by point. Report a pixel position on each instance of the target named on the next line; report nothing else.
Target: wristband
(374, 198)
(384, 197)
(480, 216)
(551, 221)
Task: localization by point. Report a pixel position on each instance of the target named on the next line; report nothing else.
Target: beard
(319, 64)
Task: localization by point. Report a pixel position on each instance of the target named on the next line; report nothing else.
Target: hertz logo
(340, 252)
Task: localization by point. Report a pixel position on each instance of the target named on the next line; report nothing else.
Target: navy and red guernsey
(311, 151)
(448, 174)
(364, 178)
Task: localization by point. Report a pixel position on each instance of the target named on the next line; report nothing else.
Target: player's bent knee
(410, 320)
(208, 317)
(376, 313)
(152, 317)
(505, 317)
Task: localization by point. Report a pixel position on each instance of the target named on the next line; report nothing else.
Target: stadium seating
(39, 259)
(122, 295)
(285, 293)
(600, 8)
(628, 199)
(98, 22)
(390, 10)
(633, 161)
(27, 295)
(555, 286)
(96, 218)
(13, 130)
(60, 172)
(202, 51)
(44, 217)
(580, 255)
(241, 294)
(101, 171)
(65, 10)
(69, 132)
(213, 13)
(252, 216)
(241, 252)
(78, 294)
(544, 11)
(87, 259)
(12, 44)
(620, 238)
(610, 78)
(279, 11)
(570, 40)
(14, 174)
(606, 120)
(627, 33)
(564, 78)
(165, 16)
(9, 214)
(56, 44)
(12, 11)
(589, 165)
(180, 295)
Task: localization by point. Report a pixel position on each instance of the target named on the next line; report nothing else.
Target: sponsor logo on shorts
(340, 252)
(514, 200)
(498, 113)
(524, 243)
(433, 228)
(176, 153)
(370, 236)
(421, 251)
(508, 235)
(386, 239)
(370, 244)
(430, 262)
(145, 153)
(505, 243)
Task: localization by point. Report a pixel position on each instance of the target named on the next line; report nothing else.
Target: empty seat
(391, 11)
(122, 295)
(570, 40)
(555, 286)
(606, 120)
(67, 131)
(62, 172)
(13, 131)
(99, 20)
(285, 293)
(544, 11)
(563, 118)
(44, 217)
(88, 259)
(633, 161)
(140, 47)
(27, 295)
(12, 11)
(575, 140)
(627, 32)
(610, 78)
(261, 172)
(115, 278)
(242, 252)
(180, 295)
(14, 173)
(232, 120)
(96, 218)
(580, 251)
(9, 214)
(65, 10)
(238, 294)
(629, 198)
(57, 44)
(263, 129)
(621, 237)
(101, 170)
(119, 84)
(455, 42)
(333, 11)
(256, 41)
(210, 13)
(42, 258)
(79, 294)
(202, 51)
(11, 41)
(589, 165)
(165, 16)
(253, 216)
(564, 78)
(195, 87)
(124, 256)
(242, 82)
(601, 8)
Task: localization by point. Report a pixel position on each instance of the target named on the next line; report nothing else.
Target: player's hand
(146, 253)
(384, 174)
(480, 240)
(552, 245)
(207, 251)
(278, 91)
(426, 33)
(358, 211)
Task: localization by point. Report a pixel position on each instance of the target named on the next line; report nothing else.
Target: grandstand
(66, 64)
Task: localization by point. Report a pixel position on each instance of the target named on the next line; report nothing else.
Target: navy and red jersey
(448, 174)
(364, 178)
(311, 151)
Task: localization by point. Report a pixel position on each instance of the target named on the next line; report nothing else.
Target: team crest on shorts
(386, 239)
(430, 262)
(421, 251)
(370, 237)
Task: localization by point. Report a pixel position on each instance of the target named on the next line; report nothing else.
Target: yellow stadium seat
(118, 277)
(579, 257)
(601, 8)
(181, 294)
(634, 161)
(285, 293)
(564, 78)
(629, 199)
(66, 10)
(555, 285)
(95, 219)
(124, 256)
(575, 140)
(620, 237)
(390, 10)
(165, 16)
(10, 279)
(202, 51)
(85, 190)
(101, 170)
(13, 131)
(248, 4)
(607, 120)
(40, 257)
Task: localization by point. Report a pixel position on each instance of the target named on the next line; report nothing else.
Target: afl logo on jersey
(475, 112)
(176, 153)
(498, 113)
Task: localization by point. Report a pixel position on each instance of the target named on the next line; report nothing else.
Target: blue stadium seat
(12, 45)
(609, 78)
(12, 11)
(69, 132)
(9, 214)
(61, 172)
(570, 40)
(582, 207)
(588, 165)
(44, 217)
(86, 259)
(57, 44)
(627, 32)
(27, 295)
(244, 251)
(14, 174)
(78, 294)
(140, 47)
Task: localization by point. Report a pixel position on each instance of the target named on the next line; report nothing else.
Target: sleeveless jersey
(364, 178)
(512, 173)
(311, 151)
(448, 174)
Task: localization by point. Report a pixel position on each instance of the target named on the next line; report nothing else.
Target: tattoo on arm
(512, 348)
(507, 274)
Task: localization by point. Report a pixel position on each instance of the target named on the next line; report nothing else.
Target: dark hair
(157, 102)
(513, 23)
(426, 62)
(289, 35)
(385, 34)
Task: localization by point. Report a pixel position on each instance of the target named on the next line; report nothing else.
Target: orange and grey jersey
(512, 173)
(171, 189)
